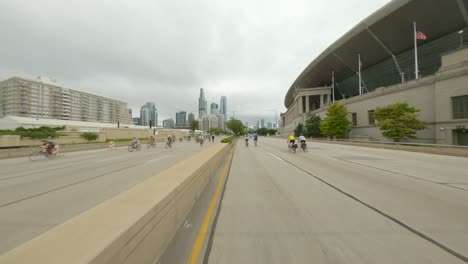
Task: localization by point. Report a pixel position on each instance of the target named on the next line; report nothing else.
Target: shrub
(89, 136)
(228, 139)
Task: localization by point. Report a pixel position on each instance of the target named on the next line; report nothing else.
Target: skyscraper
(181, 119)
(214, 109)
(269, 125)
(223, 107)
(202, 104)
(191, 118)
(262, 123)
(149, 113)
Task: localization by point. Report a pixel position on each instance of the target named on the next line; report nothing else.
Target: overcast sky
(166, 50)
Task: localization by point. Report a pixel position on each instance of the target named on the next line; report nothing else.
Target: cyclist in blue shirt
(255, 138)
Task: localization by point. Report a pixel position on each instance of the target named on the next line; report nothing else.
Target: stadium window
(460, 107)
(371, 117)
(354, 118)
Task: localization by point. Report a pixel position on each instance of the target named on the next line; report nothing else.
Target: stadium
(385, 43)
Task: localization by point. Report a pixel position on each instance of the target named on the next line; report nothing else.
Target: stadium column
(307, 104)
(321, 100)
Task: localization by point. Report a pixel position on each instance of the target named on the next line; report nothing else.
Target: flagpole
(416, 65)
(360, 83)
(333, 86)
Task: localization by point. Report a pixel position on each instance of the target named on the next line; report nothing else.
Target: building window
(460, 107)
(354, 118)
(371, 117)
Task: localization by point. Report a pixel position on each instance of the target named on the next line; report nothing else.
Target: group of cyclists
(291, 141)
(152, 141)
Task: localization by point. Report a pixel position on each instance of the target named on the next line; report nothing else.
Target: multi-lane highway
(341, 204)
(36, 196)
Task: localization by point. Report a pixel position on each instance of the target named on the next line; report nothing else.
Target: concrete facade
(432, 95)
(44, 98)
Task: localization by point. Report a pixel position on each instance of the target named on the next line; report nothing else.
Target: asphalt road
(342, 204)
(35, 196)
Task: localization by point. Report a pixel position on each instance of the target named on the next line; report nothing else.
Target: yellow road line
(197, 247)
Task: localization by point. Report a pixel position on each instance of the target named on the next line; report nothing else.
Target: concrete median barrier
(133, 227)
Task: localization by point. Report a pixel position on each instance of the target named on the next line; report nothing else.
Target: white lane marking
(160, 158)
(275, 156)
(109, 159)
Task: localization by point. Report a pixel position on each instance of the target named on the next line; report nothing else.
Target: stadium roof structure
(382, 36)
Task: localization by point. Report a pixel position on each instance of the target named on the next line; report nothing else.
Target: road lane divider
(135, 226)
(201, 237)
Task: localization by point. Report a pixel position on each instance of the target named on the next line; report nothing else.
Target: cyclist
(291, 141)
(302, 139)
(152, 139)
(135, 141)
(246, 137)
(50, 147)
(255, 138)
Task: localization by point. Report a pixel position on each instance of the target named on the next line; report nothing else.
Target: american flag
(420, 35)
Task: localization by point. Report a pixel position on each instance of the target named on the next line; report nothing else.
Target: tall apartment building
(44, 98)
(191, 118)
(149, 114)
(214, 109)
(181, 119)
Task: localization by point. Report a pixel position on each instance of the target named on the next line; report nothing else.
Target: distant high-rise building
(191, 118)
(274, 125)
(181, 119)
(149, 114)
(214, 109)
(211, 121)
(168, 123)
(202, 104)
(258, 125)
(269, 125)
(262, 123)
(223, 108)
(247, 124)
(136, 121)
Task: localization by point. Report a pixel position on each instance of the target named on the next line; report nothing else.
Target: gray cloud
(164, 51)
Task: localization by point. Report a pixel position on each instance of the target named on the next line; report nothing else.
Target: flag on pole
(420, 35)
(333, 86)
(359, 73)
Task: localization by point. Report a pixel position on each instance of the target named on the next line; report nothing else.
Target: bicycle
(247, 143)
(168, 145)
(255, 142)
(40, 154)
(133, 147)
(292, 147)
(151, 144)
(304, 146)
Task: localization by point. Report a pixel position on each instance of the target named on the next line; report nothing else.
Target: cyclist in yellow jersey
(292, 139)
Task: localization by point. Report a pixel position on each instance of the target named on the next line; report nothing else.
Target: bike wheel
(35, 156)
(138, 147)
(130, 148)
(148, 145)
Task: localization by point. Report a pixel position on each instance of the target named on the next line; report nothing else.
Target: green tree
(336, 123)
(299, 130)
(398, 121)
(312, 127)
(194, 126)
(262, 131)
(235, 126)
(216, 130)
(272, 131)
